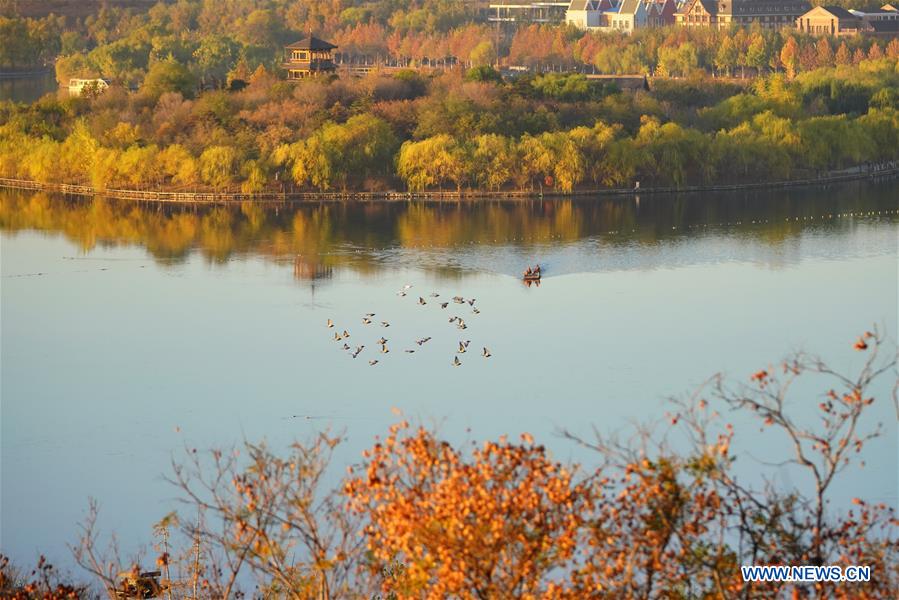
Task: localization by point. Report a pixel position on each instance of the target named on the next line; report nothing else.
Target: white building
(79, 86)
(887, 12)
(586, 14)
(631, 15)
(623, 16)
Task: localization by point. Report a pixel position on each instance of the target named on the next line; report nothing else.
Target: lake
(130, 332)
(29, 88)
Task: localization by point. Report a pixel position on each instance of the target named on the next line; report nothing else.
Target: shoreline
(26, 74)
(860, 172)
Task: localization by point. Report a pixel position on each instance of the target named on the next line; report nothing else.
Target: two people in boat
(532, 271)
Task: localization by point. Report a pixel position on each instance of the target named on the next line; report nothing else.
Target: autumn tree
(665, 512)
(553, 158)
(339, 154)
(843, 55)
(789, 56)
(218, 166)
(431, 162)
(892, 50)
(494, 161)
(726, 56)
(825, 53)
(502, 516)
(271, 516)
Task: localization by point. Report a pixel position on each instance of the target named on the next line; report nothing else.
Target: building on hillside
(660, 13)
(881, 22)
(887, 12)
(587, 14)
(524, 11)
(830, 20)
(308, 57)
(87, 87)
(884, 28)
(623, 16)
(697, 13)
(770, 14)
(631, 15)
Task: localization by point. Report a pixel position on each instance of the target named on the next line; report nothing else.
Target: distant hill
(68, 8)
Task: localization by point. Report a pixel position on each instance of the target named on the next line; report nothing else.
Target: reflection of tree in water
(361, 236)
(306, 270)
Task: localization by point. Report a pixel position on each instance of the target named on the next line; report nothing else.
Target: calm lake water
(28, 89)
(129, 332)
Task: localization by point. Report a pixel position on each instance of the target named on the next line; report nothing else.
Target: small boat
(532, 274)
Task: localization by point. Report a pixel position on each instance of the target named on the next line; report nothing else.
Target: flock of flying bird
(367, 319)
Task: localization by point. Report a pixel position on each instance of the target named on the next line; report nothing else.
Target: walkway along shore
(873, 171)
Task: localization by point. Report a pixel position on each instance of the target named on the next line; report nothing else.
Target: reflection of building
(770, 14)
(308, 57)
(524, 11)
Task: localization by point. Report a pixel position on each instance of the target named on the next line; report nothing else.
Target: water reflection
(28, 89)
(366, 237)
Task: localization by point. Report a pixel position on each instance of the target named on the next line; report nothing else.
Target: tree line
(454, 130)
(218, 41)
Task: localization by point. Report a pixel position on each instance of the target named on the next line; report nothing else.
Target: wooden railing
(868, 171)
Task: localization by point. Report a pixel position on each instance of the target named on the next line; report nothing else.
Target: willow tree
(218, 166)
(434, 161)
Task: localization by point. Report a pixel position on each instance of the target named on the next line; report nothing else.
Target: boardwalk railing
(867, 171)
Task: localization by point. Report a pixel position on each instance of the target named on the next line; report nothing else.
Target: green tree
(76, 65)
(431, 162)
(169, 76)
(672, 153)
(483, 54)
(593, 143)
(219, 165)
(494, 161)
(483, 73)
(757, 53)
(178, 164)
(726, 57)
(215, 57)
(553, 157)
(339, 154)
